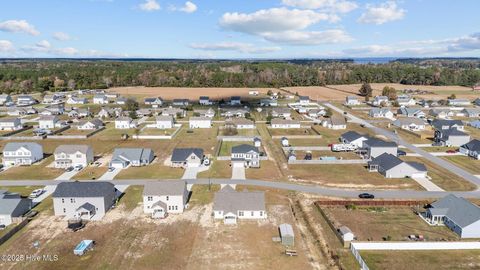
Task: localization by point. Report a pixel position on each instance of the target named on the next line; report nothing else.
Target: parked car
(401, 153)
(36, 193)
(366, 196)
(69, 169)
(2, 226)
(451, 151)
(111, 169)
(77, 167)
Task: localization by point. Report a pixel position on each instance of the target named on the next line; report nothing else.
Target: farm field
(390, 222)
(422, 259)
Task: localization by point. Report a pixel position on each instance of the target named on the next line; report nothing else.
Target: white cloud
(189, 7)
(382, 13)
(61, 36)
(149, 5)
(283, 25)
(18, 26)
(6, 46)
(233, 46)
(341, 6)
(309, 37)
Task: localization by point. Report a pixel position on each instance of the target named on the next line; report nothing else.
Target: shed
(286, 234)
(346, 233)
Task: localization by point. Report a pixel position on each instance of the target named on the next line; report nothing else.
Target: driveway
(238, 172)
(51, 188)
(427, 184)
(110, 175)
(67, 175)
(190, 173)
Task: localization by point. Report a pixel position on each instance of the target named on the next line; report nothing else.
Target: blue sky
(239, 28)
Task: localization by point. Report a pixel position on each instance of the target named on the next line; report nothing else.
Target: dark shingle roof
(352, 135)
(164, 188)
(439, 123)
(244, 148)
(181, 154)
(386, 161)
(83, 189)
(459, 210)
(473, 145)
(374, 142)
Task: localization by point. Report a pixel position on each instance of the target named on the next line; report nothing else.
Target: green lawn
(203, 194)
(226, 147)
(218, 169)
(131, 198)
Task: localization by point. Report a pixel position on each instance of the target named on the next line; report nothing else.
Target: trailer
(343, 147)
(83, 247)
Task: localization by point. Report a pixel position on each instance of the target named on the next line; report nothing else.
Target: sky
(239, 29)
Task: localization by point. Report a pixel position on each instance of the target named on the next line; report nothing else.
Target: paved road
(394, 137)
(319, 190)
(238, 172)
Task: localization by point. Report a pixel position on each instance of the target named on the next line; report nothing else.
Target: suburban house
(90, 124)
(405, 100)
(411, 112)
(68, 155)
(381, 101)
(380, 113)
(21, 153)
(451, 137)
(109, 112)
(100, 99)
(335, 122)
(25, 100)
(165, 197)
(6, 100)
(410, 123)
(228, 113)
(352, 101)
(304, 100)
(391, 166)
(136, 157)
(84, 200)
(49, 122)
(175, 112)
(235, 100)
(210, 113)
(268, 102)
(281, 112)
(17, 111)
(51, 99)
(10, 124)
(476, 101)
(13, 207)
(125, 123)
(204, 100)
(374, 147)
(458, 214)
(180, 102)
(54, 109)
(459, 102)
(353, 138)
(471, 149)
(164, 121)
(441, 124)
(200, 122)
(186, 157)
(155, 102)
(253, 92)
(77, 100)
(441, 113)
(121, 101)
(245, 155)
(475, 123)
(143, 112)
(284, 123)
(79, 113)
(230, 205)
(471, 112)
(110, 95)
(314, 113)
(239, 123)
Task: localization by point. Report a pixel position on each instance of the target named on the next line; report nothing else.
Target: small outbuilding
(346, 233)
(286, 234)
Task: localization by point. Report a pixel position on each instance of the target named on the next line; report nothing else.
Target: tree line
(24, 76)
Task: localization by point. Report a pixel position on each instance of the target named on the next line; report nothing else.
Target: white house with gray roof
(26, 100)
(459, 102)
(471, 149)
(200, 122)
(125, 123)
(164, 197)
(90, 124)
(246, 155)
(10, 124)
(49, 122)
(21, 153)
(411, 112)
(284, 123)
(410, 123)
(381, 101)
(458, 214)
(405, 100)
(12, 207)
(164, 122)
(374, 147)
(186, 157)
(6, 100)
(68, 155)
(84, 200)
(391, 166)
(124, 157)
(471, 112)
(335, 122)
(100, 99)
(155, 102)
(380, 113)
(230, 205)
(354, 138)
(352, 101)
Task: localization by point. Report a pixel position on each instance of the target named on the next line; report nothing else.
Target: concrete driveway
(427, 184)
(110, 175)
(191, 173)
(238, 172)
(67, 175)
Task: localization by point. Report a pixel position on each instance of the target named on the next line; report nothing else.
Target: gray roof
(87, 206)
(8, 120)
(229, 200)
(418, 166)
(72, 148)
(164, 188)
(408, 121)
(352, 135)
(280, 121)
(13, 204)
(473, 145)
(374, 142)
(459, 210)
(132, 154)
(409, 111)
(244, 148)
(13, 146)
(286, 230)
(162, 118)
(181, 154)
(453, 132)
(84, 189)
(344, 230)
(386, 161)
(304, 98)
(200, 118)
(439, 123)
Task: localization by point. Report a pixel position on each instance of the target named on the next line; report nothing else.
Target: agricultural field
(394, 223)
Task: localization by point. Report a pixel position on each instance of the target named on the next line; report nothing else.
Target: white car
(36, 193)
(77, 168)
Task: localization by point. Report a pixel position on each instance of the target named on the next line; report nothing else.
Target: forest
(30, 75)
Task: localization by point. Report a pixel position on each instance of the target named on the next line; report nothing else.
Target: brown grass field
(169, 93)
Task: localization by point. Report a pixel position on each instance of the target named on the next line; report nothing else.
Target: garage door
(419, 175)
(238, 165)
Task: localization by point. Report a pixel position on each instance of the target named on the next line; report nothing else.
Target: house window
(149, 198)
(167, 198)
(63, 200)
(64, 210)
(176, 207)
(251, 213)
(261, 213)
(240, 213)
(72, 200)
